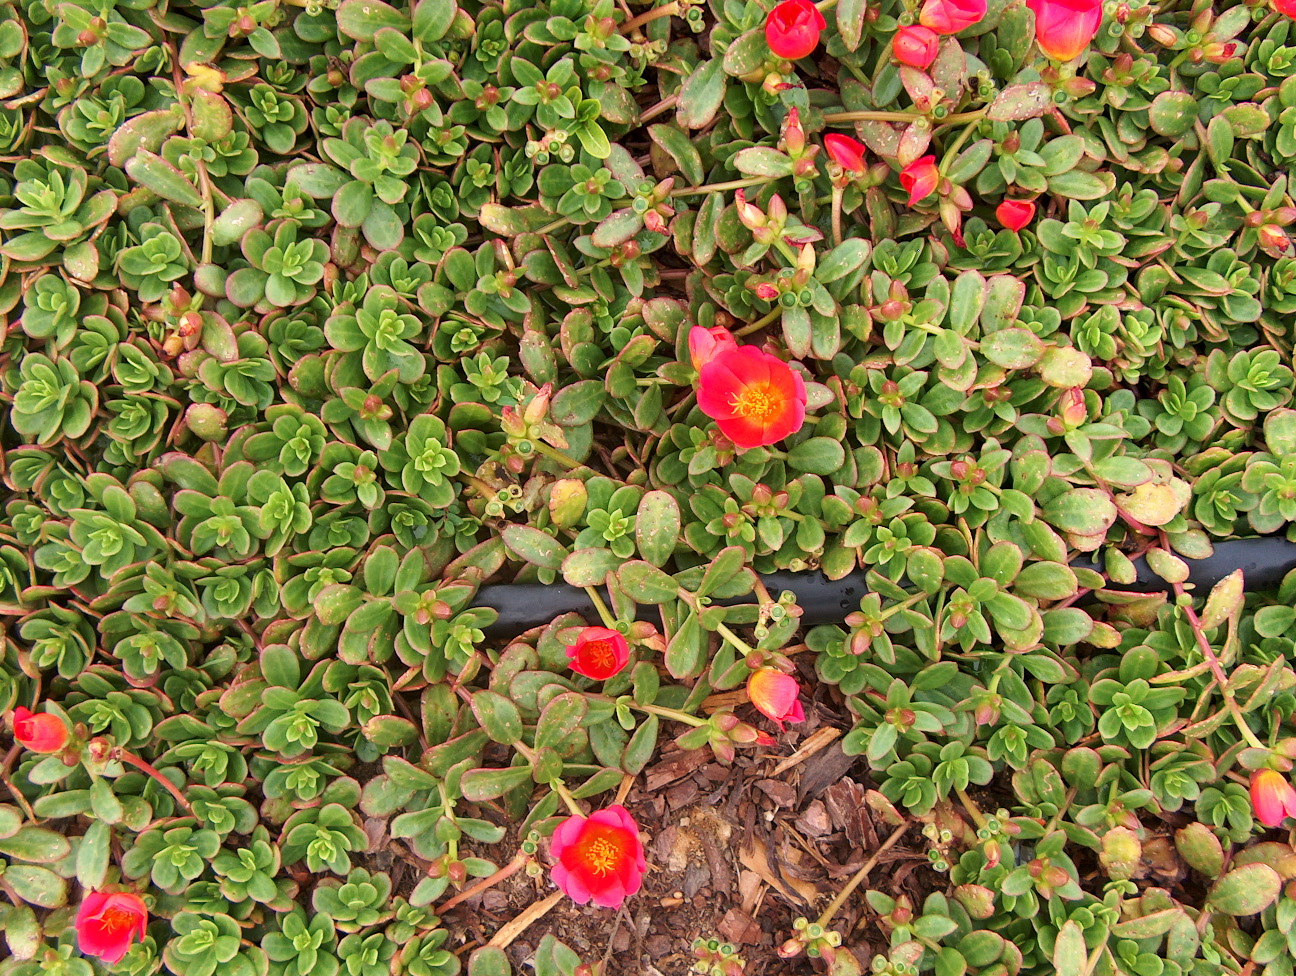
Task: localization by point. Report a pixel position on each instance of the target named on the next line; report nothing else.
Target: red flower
(1064, 28)
(598, 857)
(775, 695)
(107, 923)
(755, 398)
(1015, 214)
(1287, 7)
(846, 152)
(951, 16)
(706, 344)
(598, 653)
(915, 46)
(920, 178)
(792, 29)
(39, 731)
(1272, 797)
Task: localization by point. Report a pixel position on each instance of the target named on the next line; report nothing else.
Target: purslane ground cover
(320, 316)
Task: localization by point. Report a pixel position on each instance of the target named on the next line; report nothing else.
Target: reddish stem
(151, 770)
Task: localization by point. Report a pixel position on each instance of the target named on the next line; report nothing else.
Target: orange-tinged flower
(792, 29)
(108, 922)
(706, 344)
(916, 46)
(1015, 214)
(1064, 28)
(39, 731)
(846, 152)
(755, 398)
(598, 653)
(598, 857)
(775, 695)
(1272, 797)
(951, 16)
(920, 178)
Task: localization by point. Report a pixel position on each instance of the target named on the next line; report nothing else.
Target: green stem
(555, 455)
(760, 323)
(970, 805)
(559, 787)
(724, 631)
(609, 621)
(675, 715)
(685, 191)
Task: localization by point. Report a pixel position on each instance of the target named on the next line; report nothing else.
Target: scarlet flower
(920, 178)
(951, 16)
(755, 398)
(846, 152)
(1287, 7)
(598, 653)
(39, 731)
(598, 857)
(706, 344)
(915, 46)
(792, 29)
(1272, 797)
(108, 922)
(1015, 214)
(775, 695)
(1064, 28)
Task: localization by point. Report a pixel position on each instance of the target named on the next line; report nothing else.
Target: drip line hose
(521, 606)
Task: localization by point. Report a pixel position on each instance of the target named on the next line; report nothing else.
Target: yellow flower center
(602, 856)
(116, 920)
(759, 401)
(599, 655)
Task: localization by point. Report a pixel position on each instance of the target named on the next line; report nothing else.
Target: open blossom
(1285, 7)
(916, 46)
(755, 398)
(1272, 797)
(108, 922)
(598, 653)
(1064, 28)
(846, 152)
(706, 344)
(920, 178)
(1015, 214)
(39, 731)
(598, 857)
(951, 16)
(792, 29)
(775, 695)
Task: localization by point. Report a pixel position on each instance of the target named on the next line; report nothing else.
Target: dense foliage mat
(321, 316)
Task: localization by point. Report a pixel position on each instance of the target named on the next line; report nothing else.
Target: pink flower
(920, 178)
(755, 398)
(1015, 214)
(951, 16)
(846, 152)
(792, 29)
(1064, 28)
(1272, 797)
(598, 653)
(775, 695)
(108, 922)
(598, 857)
(915, 46)
(39, 731)
(706, 344)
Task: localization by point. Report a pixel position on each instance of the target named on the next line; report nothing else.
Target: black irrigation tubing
(521, 606)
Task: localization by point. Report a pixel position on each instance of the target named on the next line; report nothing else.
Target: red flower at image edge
(39, 731)
(792, 29)
(1064, 28)
(1272, 797)
(755, 398)
(1015, 214)
(951, 16)
(598, 857)
(916, 46)
(107, 923)
(598, 653)
(846, 152)
(775, 695)
(920, 178)
(1287, 7)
